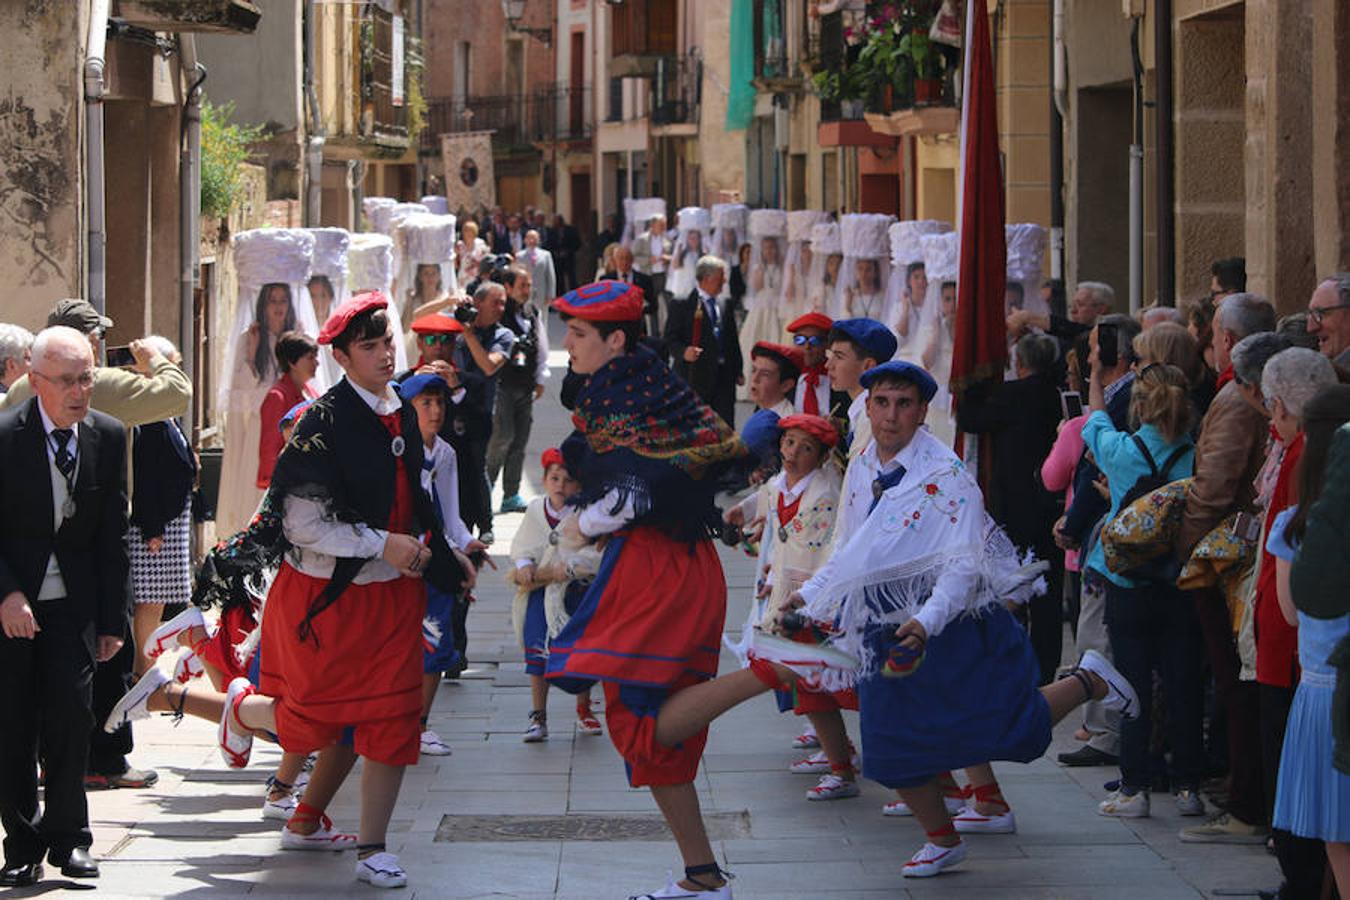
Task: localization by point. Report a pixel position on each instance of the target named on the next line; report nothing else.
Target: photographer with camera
(484, 348)
(522, 383)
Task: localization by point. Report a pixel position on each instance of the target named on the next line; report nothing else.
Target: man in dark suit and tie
(64, 601)
(623, 271)
(703, 343)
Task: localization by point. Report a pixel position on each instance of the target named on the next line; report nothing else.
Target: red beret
(781, 352)
(437, 323)
(810, 320)
(341, 317)
(552, 457)
(819, 428)
(602, 301)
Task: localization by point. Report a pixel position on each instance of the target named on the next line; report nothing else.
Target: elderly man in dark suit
(703, 343)
(64, 601)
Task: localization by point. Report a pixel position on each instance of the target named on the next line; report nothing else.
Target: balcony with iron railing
(384, 121)
(559, 113)
(676, 92)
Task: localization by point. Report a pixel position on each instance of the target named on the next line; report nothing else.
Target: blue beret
(760, 433)
(413, 385)
(876, 339)
(898, 368)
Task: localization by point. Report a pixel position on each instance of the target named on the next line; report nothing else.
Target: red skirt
(365, 666)
(652, 618)
(236, 624)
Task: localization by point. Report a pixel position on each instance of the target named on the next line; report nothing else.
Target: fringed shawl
(340, 456)
(643, 432)
(928, 539)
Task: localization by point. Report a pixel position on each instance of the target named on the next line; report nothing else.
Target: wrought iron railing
(677, 90)
(559, 112)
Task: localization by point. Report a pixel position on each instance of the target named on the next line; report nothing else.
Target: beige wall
(1022, 84)
(1331, 135)
(723, 152)
(41, 120)
(1211, 133)
(1279, 198)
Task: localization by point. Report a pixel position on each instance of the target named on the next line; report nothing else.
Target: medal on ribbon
(397, 445)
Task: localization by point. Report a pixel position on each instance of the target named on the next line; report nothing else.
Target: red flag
(981, 349)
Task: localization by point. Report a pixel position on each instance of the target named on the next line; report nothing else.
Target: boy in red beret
(815, 395)
(353, 534)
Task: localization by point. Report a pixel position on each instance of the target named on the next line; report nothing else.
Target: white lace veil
(823, 285)
(866, 271)
(800, 257)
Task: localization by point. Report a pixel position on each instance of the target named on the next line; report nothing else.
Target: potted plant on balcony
(926, 64)
(845, 85)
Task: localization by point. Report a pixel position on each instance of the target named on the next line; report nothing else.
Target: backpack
(1164, 567)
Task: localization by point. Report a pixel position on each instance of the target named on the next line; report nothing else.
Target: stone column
(1279, 226)
(1329, 125)
(1211, 197)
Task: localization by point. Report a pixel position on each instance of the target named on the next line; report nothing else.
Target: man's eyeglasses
(1318, 313)
(808, 340)
(433, 339)
(84, 380)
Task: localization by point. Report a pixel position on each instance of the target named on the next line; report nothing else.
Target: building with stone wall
(56, 175)
(1260, 92)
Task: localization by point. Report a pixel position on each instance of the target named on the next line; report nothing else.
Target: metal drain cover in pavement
(721, 827)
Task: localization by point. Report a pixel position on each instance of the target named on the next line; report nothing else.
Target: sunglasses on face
(433, 339)
(808, 340)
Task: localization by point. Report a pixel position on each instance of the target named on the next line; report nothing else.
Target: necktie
(65, 460)
(810, 402)
(884, 482)
(711, 306)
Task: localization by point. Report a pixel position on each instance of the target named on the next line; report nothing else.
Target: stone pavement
(199, 833)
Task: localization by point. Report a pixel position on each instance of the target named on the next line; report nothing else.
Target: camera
(466, 314)
(525, 351)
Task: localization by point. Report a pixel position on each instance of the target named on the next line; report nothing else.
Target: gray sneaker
(1189, 803)
(1224, 829)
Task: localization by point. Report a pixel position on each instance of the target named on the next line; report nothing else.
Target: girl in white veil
(274, 267)
(866, 270)
(764, 284)
(797, 267)
(910, 309)
(427, 274)
(729, 222)
(693, 223)
(328, 286)
(370, 267)
(827, 258)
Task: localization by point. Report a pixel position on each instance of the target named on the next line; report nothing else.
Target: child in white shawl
(549, 586)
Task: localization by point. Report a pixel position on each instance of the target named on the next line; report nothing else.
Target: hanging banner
(470, 184)
(396, 66)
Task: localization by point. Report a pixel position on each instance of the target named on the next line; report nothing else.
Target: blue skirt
(1313, 797)
(972, 700)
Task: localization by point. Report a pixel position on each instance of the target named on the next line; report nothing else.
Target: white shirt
(53, 585)
(822, 394)
(855, 503)
(317, 541)
(445, 475)
(783, 408)
(859, 426)
(658, 242)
